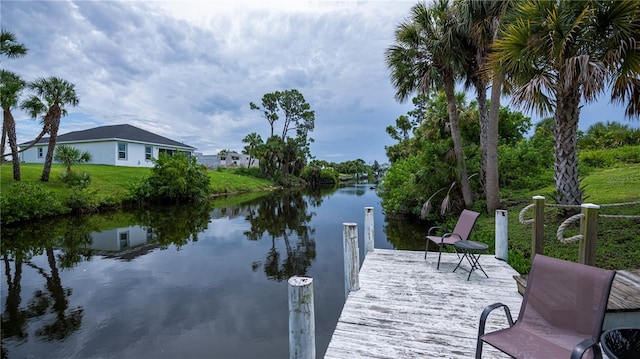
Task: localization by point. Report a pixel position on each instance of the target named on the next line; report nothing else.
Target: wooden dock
(405, 308)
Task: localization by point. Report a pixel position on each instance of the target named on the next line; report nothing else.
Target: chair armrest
(432, 228)
(487, 311)
(581, 348)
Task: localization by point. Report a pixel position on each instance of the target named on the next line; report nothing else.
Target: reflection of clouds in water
(170, 304)
(226, 229)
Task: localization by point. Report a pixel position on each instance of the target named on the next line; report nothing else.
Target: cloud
(188, 70)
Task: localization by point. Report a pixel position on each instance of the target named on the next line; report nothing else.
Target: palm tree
(559, 53)
(70, 156)
(10, 87)
(9, 47)
(52, 94)
(480, 21)
(253, 140)
(429, 51)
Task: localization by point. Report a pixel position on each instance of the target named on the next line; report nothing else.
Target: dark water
(182, 282)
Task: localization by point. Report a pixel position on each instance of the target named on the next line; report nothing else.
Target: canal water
(182, 281)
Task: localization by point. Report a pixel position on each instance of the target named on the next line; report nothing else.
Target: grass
(115, 181)
(618, 245)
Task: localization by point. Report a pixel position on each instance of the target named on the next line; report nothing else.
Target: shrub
(603, 158)
(23, 201)
(176, 178)
(76, 180)
(317, 176)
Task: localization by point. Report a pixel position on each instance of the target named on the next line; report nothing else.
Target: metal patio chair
(561, 313)
(461, 232)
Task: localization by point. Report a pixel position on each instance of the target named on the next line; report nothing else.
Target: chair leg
(426, 249)
(439, 255)
(479, 349)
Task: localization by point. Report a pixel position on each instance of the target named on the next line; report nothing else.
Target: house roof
(114, 132)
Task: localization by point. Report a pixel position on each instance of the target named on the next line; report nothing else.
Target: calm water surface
(182, 282)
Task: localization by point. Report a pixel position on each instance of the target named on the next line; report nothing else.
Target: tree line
(548, 56)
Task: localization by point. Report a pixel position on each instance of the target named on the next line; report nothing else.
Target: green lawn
(618, 245)
(114, 181)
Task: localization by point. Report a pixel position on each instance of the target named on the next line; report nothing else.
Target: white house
(229, 159)
(117, 145)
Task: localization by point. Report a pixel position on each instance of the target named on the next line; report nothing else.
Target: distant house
(118, 145)
(229, 159)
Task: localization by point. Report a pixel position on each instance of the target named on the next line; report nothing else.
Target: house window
(124, 240)
(148, 152)
(122, 151)
(166, 150)
(40, 152)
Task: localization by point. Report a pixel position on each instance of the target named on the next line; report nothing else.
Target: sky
(187, 70)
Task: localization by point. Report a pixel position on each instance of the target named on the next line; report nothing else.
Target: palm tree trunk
(4, 137)
(566, 148)
(56, 114)
(456, 135)
(13, 143)
(481, 96)
(492, 183)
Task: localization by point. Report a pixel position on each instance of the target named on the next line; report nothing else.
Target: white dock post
(368, 230)
(502, 235)
(302, 322)
(351, 258)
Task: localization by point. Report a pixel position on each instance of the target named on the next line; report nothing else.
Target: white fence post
(368, 230)
(302, 322)
(502, 235)
(351, 258)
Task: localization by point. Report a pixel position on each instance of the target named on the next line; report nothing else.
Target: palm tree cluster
(549, 56)
(49, 99)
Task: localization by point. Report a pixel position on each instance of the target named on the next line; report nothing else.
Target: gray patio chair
(461, 232)
(561, 313)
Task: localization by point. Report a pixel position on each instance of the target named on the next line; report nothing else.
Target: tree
(10, 87)
(71, 156)
(253, 140)
(9, 47)
(284, 156)
(480, 21)
(52, 94)
(428, 51)
(559, 53)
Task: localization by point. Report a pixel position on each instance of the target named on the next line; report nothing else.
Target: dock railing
(588, 216)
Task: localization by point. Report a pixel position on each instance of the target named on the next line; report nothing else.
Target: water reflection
(180, 280)
(283, 216)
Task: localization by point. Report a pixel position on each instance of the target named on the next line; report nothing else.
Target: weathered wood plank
(625, 291)
(405, 308)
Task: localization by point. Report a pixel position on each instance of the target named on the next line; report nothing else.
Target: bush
(603, 158)
(176, 178)
(23, 201)
(317, 176)
(75, 180)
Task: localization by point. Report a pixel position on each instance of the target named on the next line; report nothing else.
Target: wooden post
(589, 231)
(537, 238)
(351, 258)
(502, 235)
(368, 230)
(302, 325)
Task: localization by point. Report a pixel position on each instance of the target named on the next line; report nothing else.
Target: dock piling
(368, 230)
(351, 257)
(302, 326)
